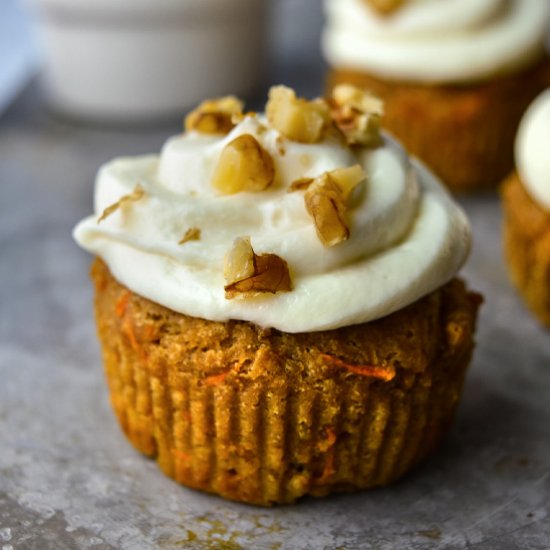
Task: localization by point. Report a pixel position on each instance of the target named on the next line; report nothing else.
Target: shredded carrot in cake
(122, 304)
(151, 332)
(215, 379)
(128, 329)
(386, 372)
(328, 468)
(331, 436)
(181, 455)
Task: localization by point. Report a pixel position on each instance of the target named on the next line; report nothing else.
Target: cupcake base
(264, 417)
(527, 247)
(465, 134)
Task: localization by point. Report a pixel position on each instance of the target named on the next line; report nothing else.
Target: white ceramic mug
(138, 59)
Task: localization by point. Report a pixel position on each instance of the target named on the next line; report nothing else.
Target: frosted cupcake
(526, 200)
(278, 309)
(456, 75)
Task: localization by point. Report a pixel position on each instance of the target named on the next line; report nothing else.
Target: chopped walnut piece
(357, 114)
(357, 98)
(244, 165)
(326, 199)
(240, 116)
(134, 196)
(247, 273)
(239, 261)
(385, 7)
(295, 118)
(215, 116)
(348, 178)
(192, 234)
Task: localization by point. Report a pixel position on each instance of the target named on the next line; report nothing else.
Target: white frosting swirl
(407, 236)
(437, 41)
(533, 150)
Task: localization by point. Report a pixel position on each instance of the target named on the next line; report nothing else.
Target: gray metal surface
(18, 51)
(69, 479)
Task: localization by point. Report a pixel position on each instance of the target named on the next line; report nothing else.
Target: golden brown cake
(464, 133)
(527, 247)
(266, 417)
(460, 122)
(526, 206)
(276, 299)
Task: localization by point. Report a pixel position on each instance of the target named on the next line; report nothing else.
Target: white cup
(146, 59)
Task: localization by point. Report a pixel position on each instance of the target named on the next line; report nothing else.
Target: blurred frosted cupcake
(526, 200)
(455, 75)
(276, 300)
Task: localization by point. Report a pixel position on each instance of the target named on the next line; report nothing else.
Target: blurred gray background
(294, 58)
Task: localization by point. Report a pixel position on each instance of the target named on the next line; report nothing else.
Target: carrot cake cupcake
(278, 309)
(455, 75)
(526, 200)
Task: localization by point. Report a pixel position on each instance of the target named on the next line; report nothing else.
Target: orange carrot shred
(128, 330)
(331, 436)
(216, 379)
(122, 303)
(328, 468)
(183, 456)
(385, 373)
(150, 331)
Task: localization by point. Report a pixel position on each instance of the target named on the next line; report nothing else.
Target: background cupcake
(526, 200)
(456, 76)
(327, 351)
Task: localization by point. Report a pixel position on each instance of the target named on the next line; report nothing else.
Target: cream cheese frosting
(407, 236)
(533, 150)
(437, 41)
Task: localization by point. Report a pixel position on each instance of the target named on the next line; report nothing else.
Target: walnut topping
(240, 116)
(134, 196)
(192, 234)
(215, 116)
(385, 7)
(244, 165)
(326, 199)
(247, 273)
(239, 261)
(348, 178)
(357, 113)
(295, 118)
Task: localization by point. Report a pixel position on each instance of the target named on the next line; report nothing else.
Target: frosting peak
(532, 150)
(406, 236)
(198, 154)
